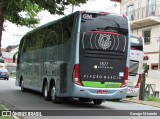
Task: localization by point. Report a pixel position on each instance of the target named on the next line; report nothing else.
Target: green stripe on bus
(100, 85)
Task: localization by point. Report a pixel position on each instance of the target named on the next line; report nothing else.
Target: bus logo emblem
(104, 41)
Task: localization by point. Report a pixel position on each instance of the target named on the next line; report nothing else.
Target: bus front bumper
(98, 93)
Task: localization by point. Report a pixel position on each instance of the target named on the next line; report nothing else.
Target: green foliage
(12, 75)
(153, 99)
(15, 8)
(1, 107)
(24, 12)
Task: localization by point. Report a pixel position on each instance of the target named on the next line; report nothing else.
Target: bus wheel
(54, 98)
(97, 101)
(22, 86)
(45, 91)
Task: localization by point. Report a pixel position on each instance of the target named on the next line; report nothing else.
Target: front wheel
(97, 101)
(54, 98)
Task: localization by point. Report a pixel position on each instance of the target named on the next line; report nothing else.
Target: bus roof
(55, 21)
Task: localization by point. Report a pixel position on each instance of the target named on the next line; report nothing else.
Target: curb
(154, 104)
(9, 106)
(15, 117)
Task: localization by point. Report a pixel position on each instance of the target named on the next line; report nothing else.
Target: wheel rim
(53, 92)
(46, 90)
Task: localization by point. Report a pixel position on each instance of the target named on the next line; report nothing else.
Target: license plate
(101, 92)
(131, 90)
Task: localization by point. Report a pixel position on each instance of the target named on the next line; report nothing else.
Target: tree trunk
(3, 6)
(1, 27)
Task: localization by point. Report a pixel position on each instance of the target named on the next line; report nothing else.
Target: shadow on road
(67, 102)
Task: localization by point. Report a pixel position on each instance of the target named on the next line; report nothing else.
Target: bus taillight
(124, 84)
(124, 16)
(84, 11)
(139, 81)
(76, 75)
(104, 13)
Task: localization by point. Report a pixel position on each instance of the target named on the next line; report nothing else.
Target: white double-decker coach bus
(136, 65)
(84, 55)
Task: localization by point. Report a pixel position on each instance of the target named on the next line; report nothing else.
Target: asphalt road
(14, 99)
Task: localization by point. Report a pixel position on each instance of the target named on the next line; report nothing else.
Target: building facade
(144, 16)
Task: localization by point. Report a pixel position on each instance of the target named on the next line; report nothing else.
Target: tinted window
(58, 33)
(67, 25)
(53, 35)
(136, 43)
(102, 22)
(37, 38)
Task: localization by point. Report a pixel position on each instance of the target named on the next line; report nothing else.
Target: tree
(14, 10)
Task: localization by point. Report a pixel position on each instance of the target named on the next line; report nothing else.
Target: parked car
(4, 74)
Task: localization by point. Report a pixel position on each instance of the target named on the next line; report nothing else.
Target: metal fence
(149, 91)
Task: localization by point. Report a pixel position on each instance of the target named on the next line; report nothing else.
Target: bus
(84, 55)
(135, 65)
(2, 63)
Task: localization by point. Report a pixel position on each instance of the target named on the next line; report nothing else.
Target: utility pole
(72, 8)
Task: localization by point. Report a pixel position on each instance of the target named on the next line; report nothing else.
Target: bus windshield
(136, 43)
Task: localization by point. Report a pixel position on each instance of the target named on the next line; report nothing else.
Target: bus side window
(67, 26)
(52, 35)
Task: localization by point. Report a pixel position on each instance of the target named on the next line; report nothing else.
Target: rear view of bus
(136, 65)
(101, 70)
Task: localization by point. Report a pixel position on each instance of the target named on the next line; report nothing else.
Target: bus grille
(103, 54)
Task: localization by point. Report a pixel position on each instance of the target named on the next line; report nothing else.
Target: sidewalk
(150, 103)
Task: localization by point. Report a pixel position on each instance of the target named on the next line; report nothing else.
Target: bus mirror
(14, 59)
(14, 56)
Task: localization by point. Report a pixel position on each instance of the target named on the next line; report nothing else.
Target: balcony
(144, 16)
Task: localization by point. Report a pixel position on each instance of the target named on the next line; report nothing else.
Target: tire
(46, 93)
(22, 87)
(97, 101)
(54, 98)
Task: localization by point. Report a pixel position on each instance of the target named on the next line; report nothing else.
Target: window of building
(147, 36)
(130, 12)
(151, 7)
(154, 66)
